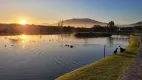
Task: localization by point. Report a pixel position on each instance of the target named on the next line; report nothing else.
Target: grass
(109, 68)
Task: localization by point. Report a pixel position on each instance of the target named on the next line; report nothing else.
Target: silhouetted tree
(110, 26)
(98, 28)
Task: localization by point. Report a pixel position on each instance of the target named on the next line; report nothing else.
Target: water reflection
(45, 57)
(110, 41)
(117, 39)
(85, 41)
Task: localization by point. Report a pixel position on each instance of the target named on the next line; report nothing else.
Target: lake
(46, 57)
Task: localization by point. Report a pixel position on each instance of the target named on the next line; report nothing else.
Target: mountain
(82, 22)
(137, 24)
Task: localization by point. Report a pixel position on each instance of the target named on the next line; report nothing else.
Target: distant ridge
(137, 24)
(82, 22)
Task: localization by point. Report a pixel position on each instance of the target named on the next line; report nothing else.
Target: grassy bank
(109, 68)
(92, 34)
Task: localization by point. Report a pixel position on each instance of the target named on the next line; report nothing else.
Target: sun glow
(23, 22)
(23, 36)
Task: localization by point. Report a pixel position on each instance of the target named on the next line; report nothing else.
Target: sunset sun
(23, 22)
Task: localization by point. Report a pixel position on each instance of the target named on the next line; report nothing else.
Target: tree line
(42, 29)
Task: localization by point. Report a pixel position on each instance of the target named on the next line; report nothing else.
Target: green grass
(109, 68)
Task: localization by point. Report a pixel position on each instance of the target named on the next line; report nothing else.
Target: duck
(122, 49)
(66, 45)
(115, 51)
(71, 46)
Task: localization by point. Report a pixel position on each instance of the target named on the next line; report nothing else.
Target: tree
(110, 26)
(98, 28)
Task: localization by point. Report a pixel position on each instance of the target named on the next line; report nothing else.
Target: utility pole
(60, 24)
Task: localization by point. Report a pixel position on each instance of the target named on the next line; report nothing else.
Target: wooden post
(104, 51)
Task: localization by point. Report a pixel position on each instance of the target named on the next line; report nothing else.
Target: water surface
(46, 57)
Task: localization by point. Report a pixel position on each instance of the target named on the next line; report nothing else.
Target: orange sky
(51, 11)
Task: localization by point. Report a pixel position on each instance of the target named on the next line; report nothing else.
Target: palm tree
(110, 26)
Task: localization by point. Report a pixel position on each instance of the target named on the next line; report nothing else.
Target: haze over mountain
(81, 22)
(137, 24)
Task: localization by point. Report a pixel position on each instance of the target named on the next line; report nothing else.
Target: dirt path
(135, 71)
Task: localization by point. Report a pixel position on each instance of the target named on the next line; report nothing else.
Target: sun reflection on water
(23, 41)
(23, 36)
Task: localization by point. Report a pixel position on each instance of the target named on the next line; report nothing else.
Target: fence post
(104, 51)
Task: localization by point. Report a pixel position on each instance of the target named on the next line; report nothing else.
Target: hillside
(137, 24)
(82, 22)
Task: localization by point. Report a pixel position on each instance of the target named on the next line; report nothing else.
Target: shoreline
(109, 68)
(6, 34)
(91, 34)
(134, 72)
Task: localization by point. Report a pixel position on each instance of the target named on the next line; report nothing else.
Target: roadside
(135, 71)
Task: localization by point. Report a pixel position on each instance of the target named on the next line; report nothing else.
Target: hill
(82, 22)
(137, 24)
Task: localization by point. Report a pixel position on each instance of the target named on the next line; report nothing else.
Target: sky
(51, 11)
